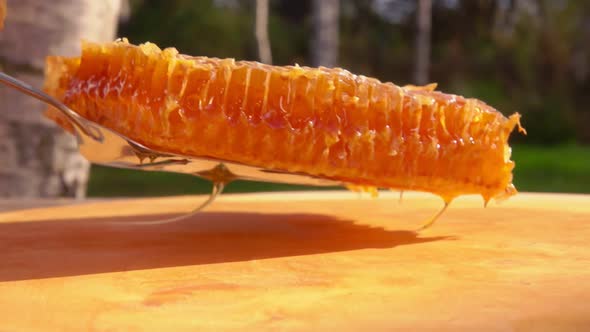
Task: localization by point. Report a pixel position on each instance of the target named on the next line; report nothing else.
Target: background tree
(261, 31)
(424, 20)
(39, 159)
(325, 40)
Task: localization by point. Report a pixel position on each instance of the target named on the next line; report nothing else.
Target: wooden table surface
(297, 261)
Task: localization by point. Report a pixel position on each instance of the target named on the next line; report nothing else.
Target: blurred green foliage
(112, 182)
(558, 168)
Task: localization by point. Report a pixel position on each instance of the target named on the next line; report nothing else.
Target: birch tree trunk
(325, 42)
(39, 159)
(423, 42)
(261, 31)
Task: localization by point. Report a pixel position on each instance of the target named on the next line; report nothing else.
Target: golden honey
(318, 121)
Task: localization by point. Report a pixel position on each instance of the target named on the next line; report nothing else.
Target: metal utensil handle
(78, 121)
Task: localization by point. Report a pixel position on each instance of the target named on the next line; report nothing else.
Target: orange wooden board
(298, 261)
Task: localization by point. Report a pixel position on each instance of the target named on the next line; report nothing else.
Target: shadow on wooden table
(57, 248)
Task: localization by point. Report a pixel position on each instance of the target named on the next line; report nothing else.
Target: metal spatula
(103, 146)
